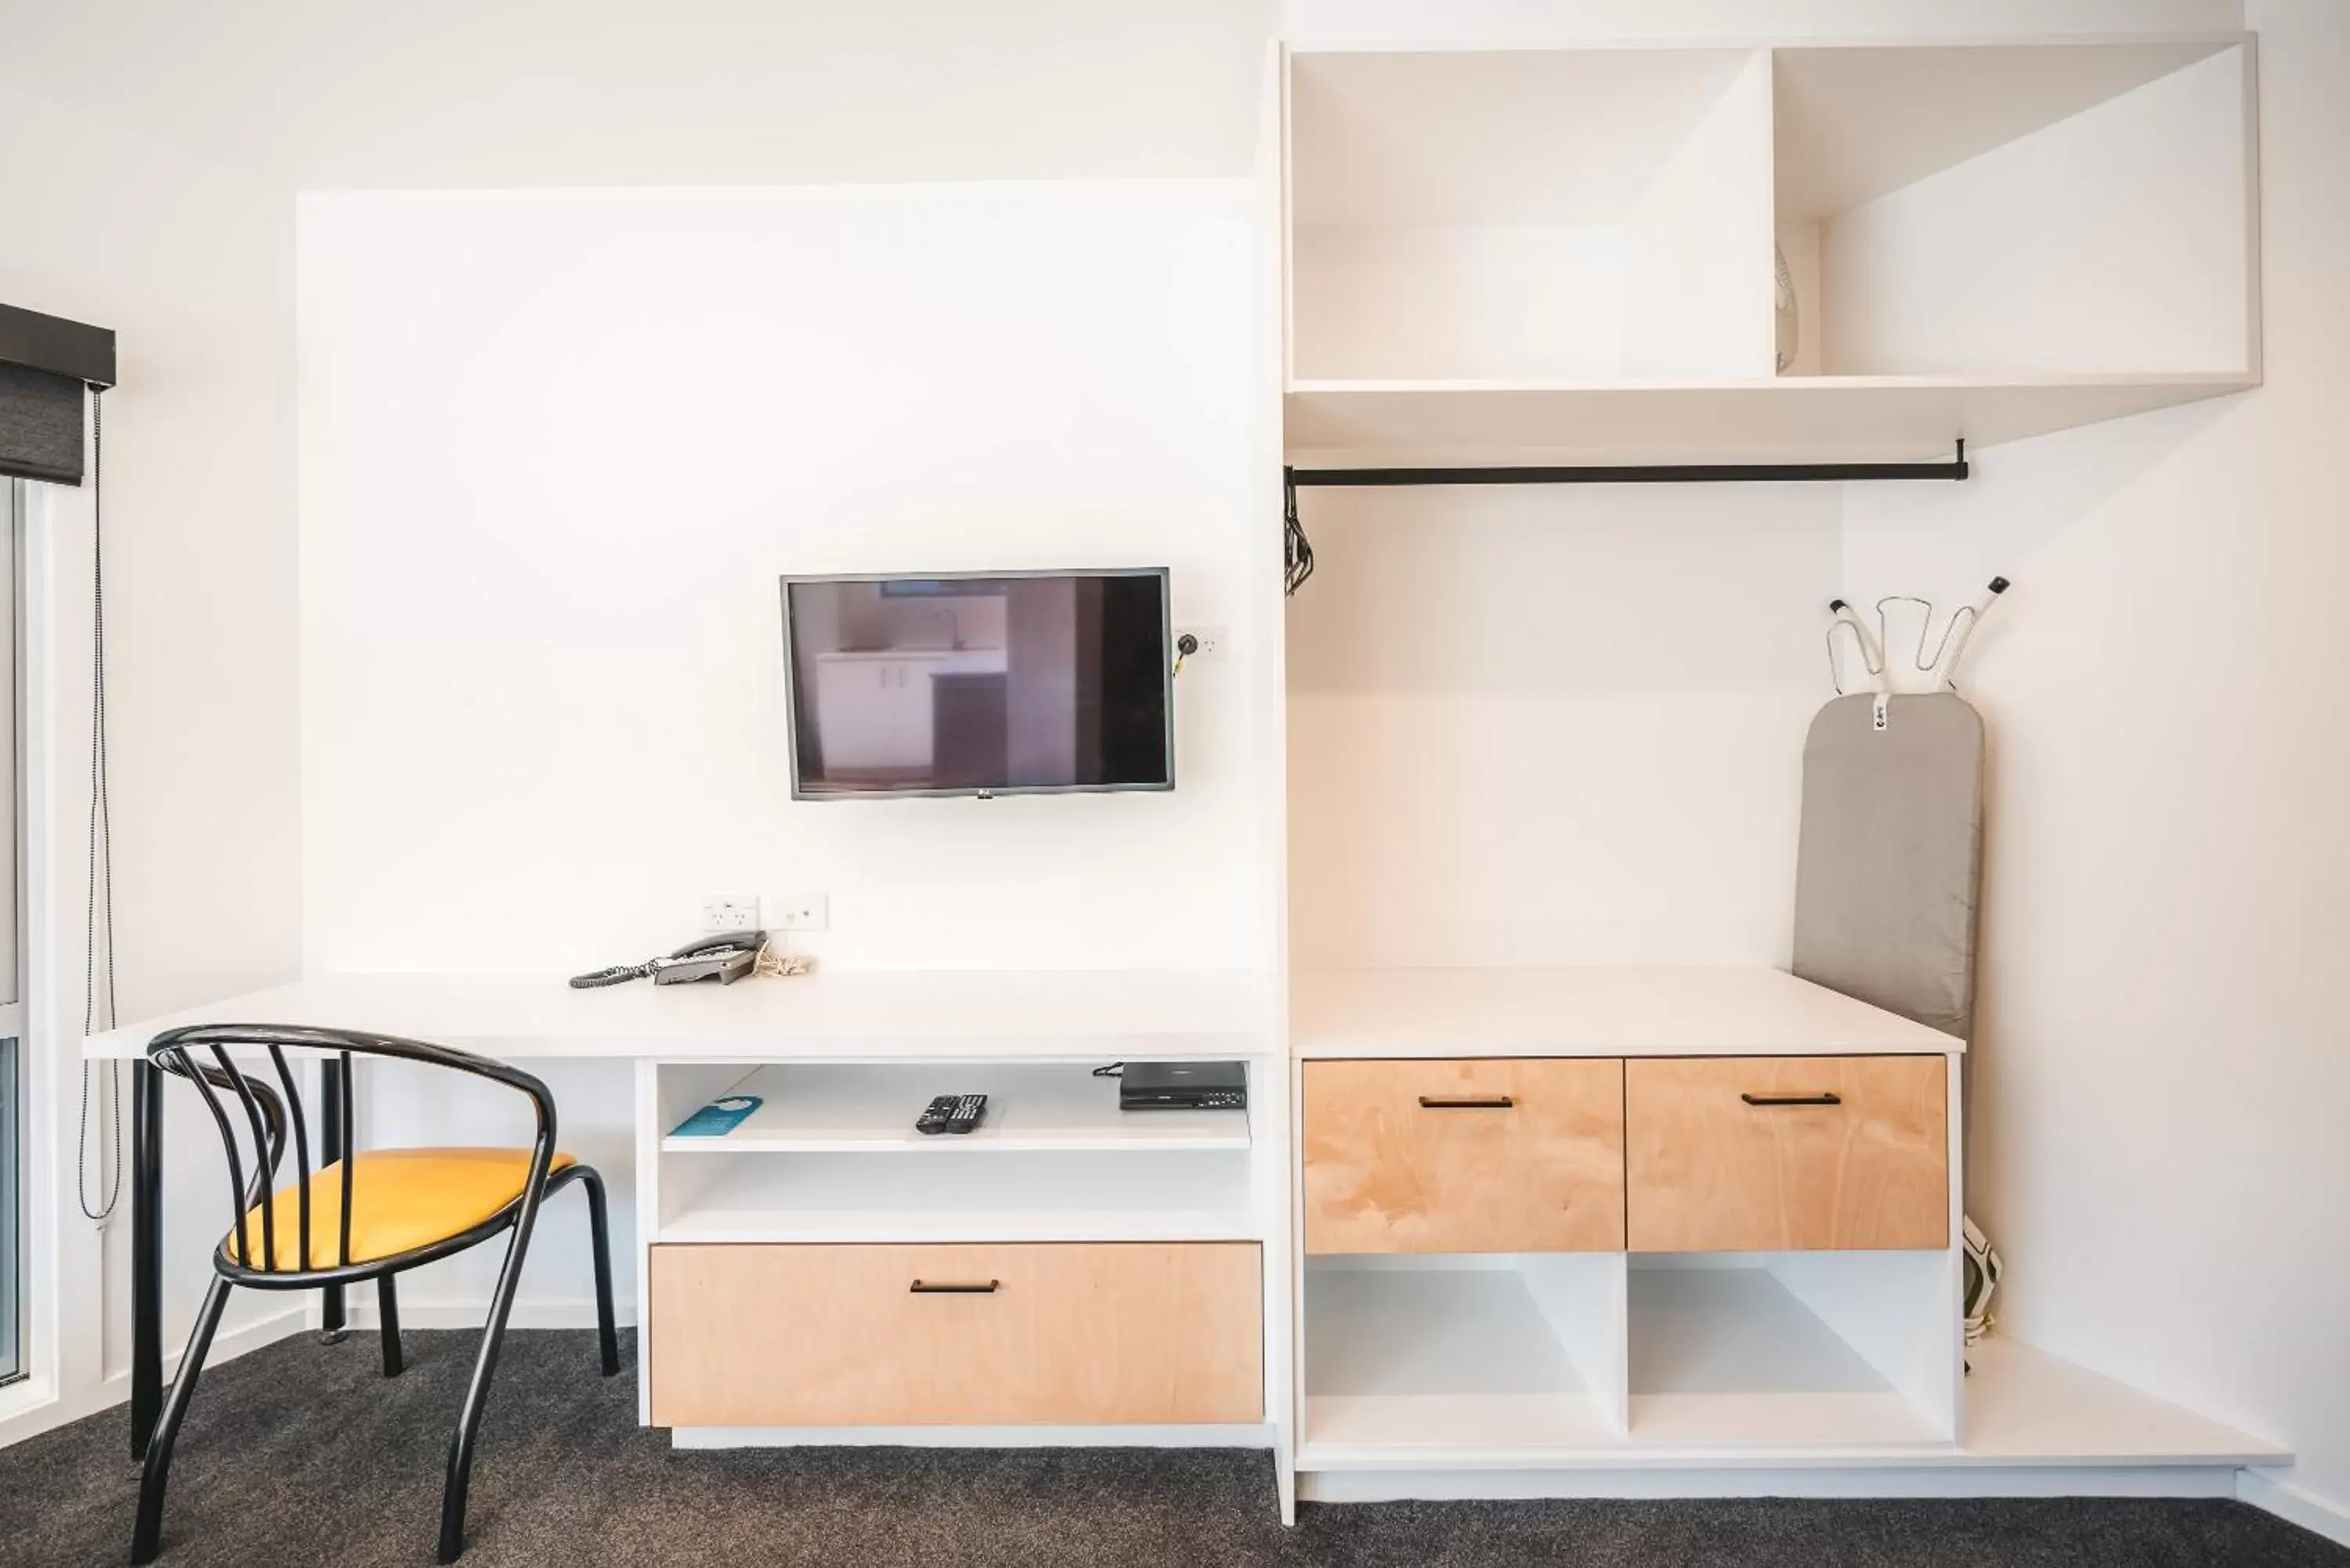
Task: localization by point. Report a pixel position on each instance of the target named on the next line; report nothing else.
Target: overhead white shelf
(1565, 256)
(812, 1108)
(1785, 418)
(1012, 1197)
(1408, 1013)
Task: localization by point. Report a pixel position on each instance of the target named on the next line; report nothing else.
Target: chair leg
(477, 1394)
(147, 1537)
(600, 1230)
(387, 1308)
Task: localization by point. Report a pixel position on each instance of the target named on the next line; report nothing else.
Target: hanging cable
(1297, 554)
(96, 976)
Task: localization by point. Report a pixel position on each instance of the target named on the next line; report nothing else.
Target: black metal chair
(378, 1213)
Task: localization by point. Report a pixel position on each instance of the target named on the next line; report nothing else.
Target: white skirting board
(39, 1415)
(1977, 1481)
(1213, 1436)
(2298, 1505)
(227, 1346)
(560, 1311)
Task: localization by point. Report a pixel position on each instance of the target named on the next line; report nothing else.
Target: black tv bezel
(1165, 682)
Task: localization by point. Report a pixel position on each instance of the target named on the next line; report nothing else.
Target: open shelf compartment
(2057, 208)
(1546, 214)
(1186, 1196)
(1491, 1362)
(1795, 1350)
(870, 1108)
(1455, 1360)
(832, 1156)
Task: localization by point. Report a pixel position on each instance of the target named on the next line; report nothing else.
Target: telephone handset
(725, 958)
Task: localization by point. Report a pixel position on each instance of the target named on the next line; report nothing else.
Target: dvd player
(1182, 1087)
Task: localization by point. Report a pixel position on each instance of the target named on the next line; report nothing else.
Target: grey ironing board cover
(1889, 869)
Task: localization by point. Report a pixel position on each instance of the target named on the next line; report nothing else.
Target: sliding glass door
(11, 968)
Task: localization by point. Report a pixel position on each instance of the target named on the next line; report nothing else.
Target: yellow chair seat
(402, 1198)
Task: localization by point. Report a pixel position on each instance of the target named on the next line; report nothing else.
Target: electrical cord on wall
(97, 977)
(1297, 552)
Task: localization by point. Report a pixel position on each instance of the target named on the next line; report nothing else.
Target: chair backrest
(272, 1117)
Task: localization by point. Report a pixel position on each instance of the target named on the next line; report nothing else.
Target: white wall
(1554, 726)
(556, 448)
(2163, 1058)
(191, 263)
(446, 94)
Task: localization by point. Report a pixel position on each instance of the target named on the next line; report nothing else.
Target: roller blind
(46, 365)
(40, 425)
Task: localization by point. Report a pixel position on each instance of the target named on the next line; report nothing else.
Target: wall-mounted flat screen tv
(983, 684)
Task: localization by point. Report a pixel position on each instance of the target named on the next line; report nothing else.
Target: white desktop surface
(1104, 1016)
(856, 1015)
(1745, 1012)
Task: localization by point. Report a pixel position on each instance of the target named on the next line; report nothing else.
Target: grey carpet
(302, 1453)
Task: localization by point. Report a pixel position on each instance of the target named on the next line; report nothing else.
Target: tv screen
(1016, 683)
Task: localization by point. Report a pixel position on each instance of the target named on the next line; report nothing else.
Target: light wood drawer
(1520, 1156)
(839, 1336)
(1786, 1153)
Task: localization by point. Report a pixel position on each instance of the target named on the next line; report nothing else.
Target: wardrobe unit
(1637, 1231)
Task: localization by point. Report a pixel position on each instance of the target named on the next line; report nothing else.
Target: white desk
(863, 1016)
(691, 1040)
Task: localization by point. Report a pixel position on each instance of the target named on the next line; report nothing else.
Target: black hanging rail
(1635, 474)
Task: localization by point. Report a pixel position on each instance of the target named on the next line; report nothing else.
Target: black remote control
(951, 1114)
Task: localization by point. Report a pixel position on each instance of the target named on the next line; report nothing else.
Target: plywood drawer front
(1726, 1154)
(1518, 1156)
(837, 1335)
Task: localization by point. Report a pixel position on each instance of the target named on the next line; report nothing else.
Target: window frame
(14, 1084)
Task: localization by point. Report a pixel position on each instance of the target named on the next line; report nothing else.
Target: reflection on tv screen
(979, 685)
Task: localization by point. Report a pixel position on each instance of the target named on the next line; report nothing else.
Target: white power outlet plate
(1211, 640)
(806, 912)
(731, 912)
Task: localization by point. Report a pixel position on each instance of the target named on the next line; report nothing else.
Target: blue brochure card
(719, 1117)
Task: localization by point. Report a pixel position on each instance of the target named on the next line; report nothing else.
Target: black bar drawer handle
(1473, 1103)
(1820, 1099)
(941, 1288)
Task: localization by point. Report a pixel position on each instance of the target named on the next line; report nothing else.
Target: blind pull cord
(97, 979)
